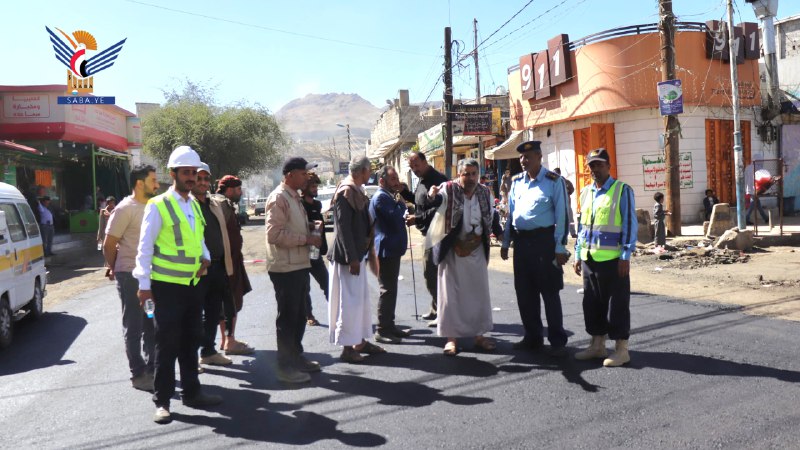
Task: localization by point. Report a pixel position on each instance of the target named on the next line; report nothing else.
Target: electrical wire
(276, 30)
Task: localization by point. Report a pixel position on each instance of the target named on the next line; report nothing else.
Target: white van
(22, 273)
(259, 206)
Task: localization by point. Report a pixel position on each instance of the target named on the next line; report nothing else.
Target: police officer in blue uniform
(537, 205)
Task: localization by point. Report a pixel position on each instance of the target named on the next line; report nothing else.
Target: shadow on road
(402, 393)
(249, 415)
(705, 365)
(40, 343)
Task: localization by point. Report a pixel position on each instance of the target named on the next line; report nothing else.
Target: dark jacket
(352, 228)
(314, 212)
(708, 204)
(391, 238)
(425, 209)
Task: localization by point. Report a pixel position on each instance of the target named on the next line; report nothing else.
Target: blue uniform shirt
(630, 225)
(536, 203)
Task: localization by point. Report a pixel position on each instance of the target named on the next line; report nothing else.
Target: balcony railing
(625, 31)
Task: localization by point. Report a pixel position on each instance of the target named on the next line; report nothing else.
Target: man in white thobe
(459, 236)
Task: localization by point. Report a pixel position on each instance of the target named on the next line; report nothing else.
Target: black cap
(297, 163)
(535, 146)
(598, 154)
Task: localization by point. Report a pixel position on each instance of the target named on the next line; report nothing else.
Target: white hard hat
(184, 156)
(204, 167)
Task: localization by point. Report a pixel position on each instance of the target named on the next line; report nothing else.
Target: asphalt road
(701, 376)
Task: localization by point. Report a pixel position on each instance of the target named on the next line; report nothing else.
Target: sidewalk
(765, 235)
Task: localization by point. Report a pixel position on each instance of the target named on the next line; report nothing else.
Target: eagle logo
(72, 54)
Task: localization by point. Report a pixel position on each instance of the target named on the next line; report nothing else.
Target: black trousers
(320, 273)
(431, 274)
(178, 326)
(606, 299)
(291, 289)
(213, 289)
(536, 275)
(389, 269)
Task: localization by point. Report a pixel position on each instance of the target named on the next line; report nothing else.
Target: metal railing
(626, 31)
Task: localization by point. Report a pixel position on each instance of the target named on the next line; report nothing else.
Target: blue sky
(271, 52)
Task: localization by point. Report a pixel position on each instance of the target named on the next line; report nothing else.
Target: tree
(241, 139)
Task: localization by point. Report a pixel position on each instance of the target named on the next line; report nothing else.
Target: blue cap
(530, 146)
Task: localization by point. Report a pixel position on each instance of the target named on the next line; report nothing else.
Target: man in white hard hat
(171, 258)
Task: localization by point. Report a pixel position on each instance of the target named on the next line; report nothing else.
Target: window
(28, 219)
(15, 228)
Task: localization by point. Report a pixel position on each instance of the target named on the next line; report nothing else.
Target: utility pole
(478, 90)
(448, 104)
(666, 28)
(738, 157)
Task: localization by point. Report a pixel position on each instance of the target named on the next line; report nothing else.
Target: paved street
(701, 376)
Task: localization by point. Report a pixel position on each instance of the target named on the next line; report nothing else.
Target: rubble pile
(691, 254)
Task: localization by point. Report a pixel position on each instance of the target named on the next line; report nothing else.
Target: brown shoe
(351, 355)
(370, 348)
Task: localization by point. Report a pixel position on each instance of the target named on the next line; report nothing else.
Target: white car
(23, 276)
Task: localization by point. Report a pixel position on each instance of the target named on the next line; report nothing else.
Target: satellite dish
(501, 90)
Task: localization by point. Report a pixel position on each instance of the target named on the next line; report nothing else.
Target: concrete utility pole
(666, 27)
(478, 90)
(766, 11)
(448, 104)
(738, 156)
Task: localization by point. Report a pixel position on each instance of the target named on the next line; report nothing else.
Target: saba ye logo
(81, 68)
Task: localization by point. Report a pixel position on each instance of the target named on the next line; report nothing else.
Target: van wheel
(36, 305)
(6, 323)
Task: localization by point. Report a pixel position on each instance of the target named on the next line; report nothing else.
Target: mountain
(314, 117)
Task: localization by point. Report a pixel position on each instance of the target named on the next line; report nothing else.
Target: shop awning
(506, 150)
(19, 147)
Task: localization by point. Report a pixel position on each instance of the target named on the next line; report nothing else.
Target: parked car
(325, 195)
(260, 204)
(370, 190)
(23, 277)
(241, 212)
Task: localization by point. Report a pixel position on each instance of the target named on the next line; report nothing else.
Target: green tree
(241, 139)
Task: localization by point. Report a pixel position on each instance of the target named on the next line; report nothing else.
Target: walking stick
(413, 276)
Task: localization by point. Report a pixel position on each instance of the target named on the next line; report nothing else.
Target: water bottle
(313, 250)
(99, 246)
(149, 307)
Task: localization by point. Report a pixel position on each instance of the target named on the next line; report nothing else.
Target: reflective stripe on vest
(178, 249)
(601, 220)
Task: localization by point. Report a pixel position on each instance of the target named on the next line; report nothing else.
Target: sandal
(312, 322)
(450, 349)
(485, 344)
(371, 349)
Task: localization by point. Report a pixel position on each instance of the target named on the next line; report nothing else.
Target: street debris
(691, 254)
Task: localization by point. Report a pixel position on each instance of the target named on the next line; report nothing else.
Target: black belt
(536, 231)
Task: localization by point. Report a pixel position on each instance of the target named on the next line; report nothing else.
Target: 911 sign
(540, 72)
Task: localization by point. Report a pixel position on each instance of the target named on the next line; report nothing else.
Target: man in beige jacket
(288, 264)
(214, 285)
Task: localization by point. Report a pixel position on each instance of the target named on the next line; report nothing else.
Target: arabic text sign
(472, 120)
(654, 170)
(27, 105)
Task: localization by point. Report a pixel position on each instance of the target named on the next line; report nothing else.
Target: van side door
(15, 250)
(34, 252)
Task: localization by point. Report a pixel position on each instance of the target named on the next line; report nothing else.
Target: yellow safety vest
(601, 224)
(178, 249)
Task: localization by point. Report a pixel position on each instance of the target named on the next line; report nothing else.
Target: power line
(276, 30)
